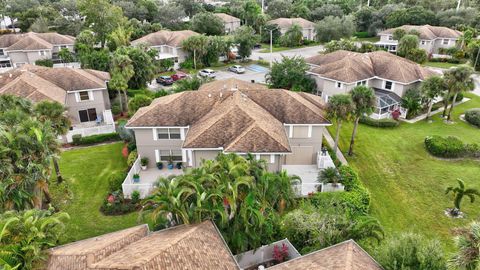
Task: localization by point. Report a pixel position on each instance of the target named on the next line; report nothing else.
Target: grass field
(440, 65)
(369, 39)
(406, 183)
(85, 171)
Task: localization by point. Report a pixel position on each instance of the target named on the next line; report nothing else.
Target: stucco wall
(300, 139)
(28, 57)
(100, 102)
(146, 145)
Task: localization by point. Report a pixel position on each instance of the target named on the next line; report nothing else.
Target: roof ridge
(303, 101)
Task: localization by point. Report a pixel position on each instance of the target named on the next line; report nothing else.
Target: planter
(170, 166)
(136, 178)
(143, 167)
(160, 165)
(179, 165)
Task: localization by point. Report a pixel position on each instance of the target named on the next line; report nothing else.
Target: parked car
(237, 69)
(257, 46)
(165, 80)
(208, 73)
(178, 76)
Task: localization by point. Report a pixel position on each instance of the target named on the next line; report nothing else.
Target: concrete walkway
(331, 142)
(423, 116)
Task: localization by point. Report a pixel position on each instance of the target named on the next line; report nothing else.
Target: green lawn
(440, 65)
(278, 48)
(406, 183)
(369, 39)
(86, 171)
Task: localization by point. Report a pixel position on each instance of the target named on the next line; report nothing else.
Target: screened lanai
(387, 102)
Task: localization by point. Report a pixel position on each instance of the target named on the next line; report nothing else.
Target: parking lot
(252, 72)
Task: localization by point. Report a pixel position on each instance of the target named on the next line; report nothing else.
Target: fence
(264, 254)
(128, 186)
(108, 126)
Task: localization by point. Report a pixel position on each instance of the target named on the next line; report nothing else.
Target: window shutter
(155, 135)
(157, 156)
(90, 95)
(77, 97)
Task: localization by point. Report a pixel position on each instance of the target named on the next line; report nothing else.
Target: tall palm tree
(364, 99)
(121, 71)
(461, 191)
(458, 80)
(55, 113)
(339, 107)
(432, 88)
(467, 240)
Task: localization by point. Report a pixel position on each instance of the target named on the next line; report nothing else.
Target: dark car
(165, 80)
(178, 76)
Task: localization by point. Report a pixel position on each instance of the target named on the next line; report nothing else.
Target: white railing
(324, 160)
(108, 126)
(70, 65)
(128, 186)
(264, 254)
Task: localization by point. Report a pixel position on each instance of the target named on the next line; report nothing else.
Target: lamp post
(271, 47)
(476, 58)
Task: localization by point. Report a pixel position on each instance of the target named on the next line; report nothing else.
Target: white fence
(108, 126)
(128, 186)
(70, 65)
(264, 254)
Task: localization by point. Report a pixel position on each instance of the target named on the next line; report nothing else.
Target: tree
(54, 113)
(339, 107)
(121, 71)
(250, 13)
(66, 56)
(280, 9)
(197, 46)
(137, 102)
(454, 18)
(399, 33)
(331, 28)
(292, 37)
(474, 52)
(217, 45)
(458, 80)
(246, 38)
(364, 18)
(417, 55)
(412, 101)
(119, 37)
(290, 73)
(208, 23)
(415, 15)
(276, 34)
(170, 16)
(342, 44)
(467, 241)
(25, 235)
(406, 44)
(325, 10)
(101, 17)
(461, 191)
(431, 89)
(364, 101)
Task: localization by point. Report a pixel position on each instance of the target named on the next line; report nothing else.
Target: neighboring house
(83, 92)
(231, 23)
(282, 127)
(389, 75)
(432, 38)
(198, 246)
(167, 43)
(26, 48)
(308, 27)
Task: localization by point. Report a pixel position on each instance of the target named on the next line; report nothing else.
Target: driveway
(277, 56)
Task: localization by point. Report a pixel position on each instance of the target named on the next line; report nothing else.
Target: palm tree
(460, 191)
(458, 80)
(54, 112)
(339, 107)
(432, 88)
(121, 71)
(364, 99)
(467, 240)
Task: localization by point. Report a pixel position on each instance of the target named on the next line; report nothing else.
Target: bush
(115, 181)
(135, 197)
(115, 204)
(187, 64)
(384, 123)
(417, 55)
(134, 92)
(472, 116)
(362, 34)
(161, 93)
(131, 158)
(44, 62)
(116, 108)
(95, 138)
(459, 97)
(450, 147)
(447, 60)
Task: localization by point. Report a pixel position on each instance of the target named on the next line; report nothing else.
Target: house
(432, 38)
(231, 23)
(83, 92)
(167, 43)
(308, 27)
(20, 49)
(389, 75)
(282, 127)
(199, 246)
(185, 247)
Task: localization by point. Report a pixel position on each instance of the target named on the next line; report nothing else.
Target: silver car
(208, 73)
(237, 69)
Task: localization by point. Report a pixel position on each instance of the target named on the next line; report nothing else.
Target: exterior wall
(385, 38)
(28, 57)
(438, 43)
(231, 26)
(199, 155)
(56, 49)
(100, 102)
(431, 46)
(302, 143)
(308, 33)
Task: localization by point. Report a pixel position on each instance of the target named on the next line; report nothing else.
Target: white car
(237, 69)
(208, 73)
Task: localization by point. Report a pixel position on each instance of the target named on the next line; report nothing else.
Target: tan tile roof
(288, 22)
(198, 246)
(350, 67)
(227, 18)
(34, 41)
(37, 83)
(165, 37)
(347, 255)
(235, 115)
(427, 32)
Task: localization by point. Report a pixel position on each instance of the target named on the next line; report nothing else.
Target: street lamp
(271, 47)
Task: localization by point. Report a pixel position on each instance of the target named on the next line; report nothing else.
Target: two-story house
(167, 43)
(431, 38)
(26, 48)
(83, 92)
(230, 22)
(308, 27)
(389, 75)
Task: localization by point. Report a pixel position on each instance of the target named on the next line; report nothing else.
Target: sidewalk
(331, 142)
(423, 116)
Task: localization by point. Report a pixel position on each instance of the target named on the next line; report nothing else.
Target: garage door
(301, 155)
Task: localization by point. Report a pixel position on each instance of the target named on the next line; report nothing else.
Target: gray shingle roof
(165, 37)
(427, 32)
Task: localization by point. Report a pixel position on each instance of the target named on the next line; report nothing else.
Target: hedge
(472, 116)
(450, 147)
(387, 122)
(44, 62)
(79, 140)
(115, 181)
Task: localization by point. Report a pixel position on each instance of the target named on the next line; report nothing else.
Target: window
(63, 47)
(446, 41)
(175, 154)
(388, 85)
(1, 52)
(423, 42)
(83, 96)
(361, 83)
(338, 85)
(168, 133)
(88, 115)
(390, 37)
(42, 53)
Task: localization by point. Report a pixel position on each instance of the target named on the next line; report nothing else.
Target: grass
(368, 39)
(406, 183)
(278, 48)
(85, 171)
(440, 65)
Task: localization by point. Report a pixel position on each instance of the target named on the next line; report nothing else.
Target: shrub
(116, 108)
(76, 139)
(472, 116)
(459, 97)
(450, 147)
(187, 64)
(115, 204)
(362, 34)
(417, 55)
(95, 138)
(384, 123)
(131, 158)
(161, 93)
(44, 62)
(135, 197)
(115, 181)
